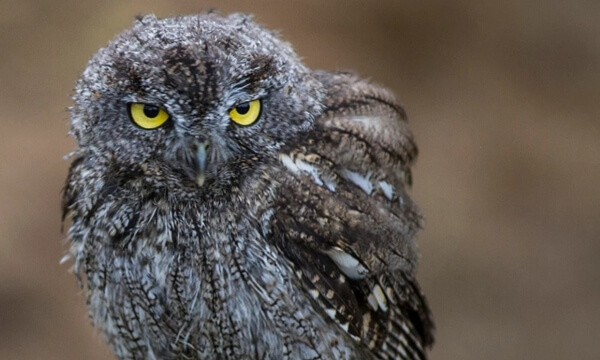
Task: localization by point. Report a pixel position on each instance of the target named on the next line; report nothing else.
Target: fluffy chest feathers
(168, 280)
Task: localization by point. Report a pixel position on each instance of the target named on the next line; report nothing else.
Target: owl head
(199, 100)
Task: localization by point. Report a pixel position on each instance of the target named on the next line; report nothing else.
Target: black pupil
(151, 111)
(242, 108)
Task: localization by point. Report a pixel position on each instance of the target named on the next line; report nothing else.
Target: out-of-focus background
(504, 100)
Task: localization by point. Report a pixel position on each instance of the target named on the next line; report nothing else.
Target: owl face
(193, 99)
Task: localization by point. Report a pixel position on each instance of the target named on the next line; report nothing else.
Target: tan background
(503, 97)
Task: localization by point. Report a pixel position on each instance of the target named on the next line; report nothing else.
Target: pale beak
(201, 148)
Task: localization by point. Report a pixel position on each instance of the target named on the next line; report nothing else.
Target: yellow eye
(246, 113)
(147, 116)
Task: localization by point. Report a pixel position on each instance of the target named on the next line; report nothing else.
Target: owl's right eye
(147, 116)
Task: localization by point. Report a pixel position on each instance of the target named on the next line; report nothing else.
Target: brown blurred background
(503, 98)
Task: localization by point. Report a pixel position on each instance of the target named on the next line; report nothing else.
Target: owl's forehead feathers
(187, 51)
(196, 68)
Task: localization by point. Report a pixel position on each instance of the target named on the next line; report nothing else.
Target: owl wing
(344, 220)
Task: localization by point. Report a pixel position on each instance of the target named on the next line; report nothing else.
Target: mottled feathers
(291, 236)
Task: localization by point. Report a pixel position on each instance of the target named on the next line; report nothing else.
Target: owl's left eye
(246, 113)
(147, 116)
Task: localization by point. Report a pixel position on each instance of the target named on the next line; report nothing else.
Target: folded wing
(345, 221)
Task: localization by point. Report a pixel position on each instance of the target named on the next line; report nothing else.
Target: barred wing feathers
(345, 221)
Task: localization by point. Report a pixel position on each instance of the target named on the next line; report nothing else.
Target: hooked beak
(201, 148)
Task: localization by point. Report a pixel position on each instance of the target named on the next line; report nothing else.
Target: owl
(227, 202)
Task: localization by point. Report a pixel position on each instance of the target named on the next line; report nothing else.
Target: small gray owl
(229, 203)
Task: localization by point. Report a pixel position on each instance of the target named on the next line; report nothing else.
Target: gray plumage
(200, 238)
